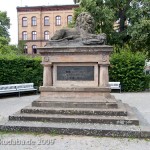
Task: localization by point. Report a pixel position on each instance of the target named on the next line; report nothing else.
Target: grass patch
(54, 133)
(51, 133)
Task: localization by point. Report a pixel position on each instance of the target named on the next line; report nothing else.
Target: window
(46, 21)
(58, 20)
(24, 35)
(33, 21)
(69, 19)
(24, 21)
(34, 50)
(46, 35)
(33, 35)
(25, 48)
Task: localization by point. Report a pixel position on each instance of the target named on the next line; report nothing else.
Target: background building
(37, 24)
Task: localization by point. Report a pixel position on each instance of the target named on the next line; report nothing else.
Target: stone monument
(75, 97)
(76, 66)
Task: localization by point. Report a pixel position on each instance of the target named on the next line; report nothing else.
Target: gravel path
(59, 142)
(49, 142)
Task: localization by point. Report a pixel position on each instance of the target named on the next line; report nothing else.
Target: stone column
(103, 75)
(47, 75)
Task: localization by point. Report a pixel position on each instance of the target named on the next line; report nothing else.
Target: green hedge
(20, 69)
(128, 68)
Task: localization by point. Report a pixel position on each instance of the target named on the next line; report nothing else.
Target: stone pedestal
(78, 71)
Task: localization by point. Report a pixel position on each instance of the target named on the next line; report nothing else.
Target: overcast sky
(10, 7)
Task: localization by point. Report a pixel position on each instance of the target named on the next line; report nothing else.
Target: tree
(21, 45)
(106, 13)
(139, 28)
(4, 46)
(4, 25)
(3, 41)
(102, 14)
(131, 19)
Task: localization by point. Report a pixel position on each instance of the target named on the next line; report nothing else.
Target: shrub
(128, 68)
(20, 69)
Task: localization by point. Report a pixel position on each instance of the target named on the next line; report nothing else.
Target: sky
(10, 7)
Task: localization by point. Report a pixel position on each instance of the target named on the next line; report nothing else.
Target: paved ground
(41, 142)
(140, 102)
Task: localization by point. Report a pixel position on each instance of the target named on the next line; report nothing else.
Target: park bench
(17, 88)
(115, 85)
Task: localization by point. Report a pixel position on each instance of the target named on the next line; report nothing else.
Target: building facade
(37, 24)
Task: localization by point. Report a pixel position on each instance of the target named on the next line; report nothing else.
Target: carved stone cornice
(104, 50)
(46, 8)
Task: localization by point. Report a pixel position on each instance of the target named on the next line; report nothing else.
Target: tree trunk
(122, 15)
(122, 20)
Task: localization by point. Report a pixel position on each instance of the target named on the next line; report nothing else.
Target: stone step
(119, 120)
(101, 99)
(74, 104)
(75, 111)
(86, 129)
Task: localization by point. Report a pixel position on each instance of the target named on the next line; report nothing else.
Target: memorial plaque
(75, 73)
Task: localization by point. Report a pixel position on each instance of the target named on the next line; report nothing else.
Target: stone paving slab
(140, 101)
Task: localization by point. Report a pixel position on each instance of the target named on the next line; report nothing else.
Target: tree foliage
(20, 46)
(103, 16)
(139, 28)
(124, 22)
(7, 49)
(4, 25)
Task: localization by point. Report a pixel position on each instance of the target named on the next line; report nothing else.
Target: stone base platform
(75, 92)
(77, 118)
(94, 116)
(75, 111)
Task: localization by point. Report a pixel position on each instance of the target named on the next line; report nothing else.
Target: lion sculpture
(83, 32)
